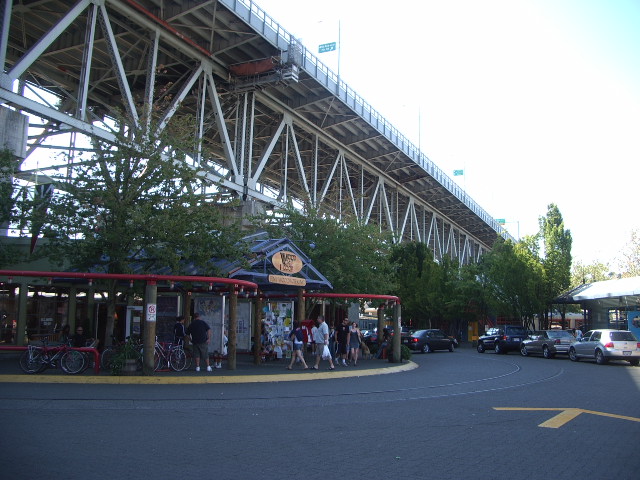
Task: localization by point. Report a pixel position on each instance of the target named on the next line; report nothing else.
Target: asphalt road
(459, 415)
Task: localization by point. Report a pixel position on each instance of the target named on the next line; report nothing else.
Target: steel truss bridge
(274, 125)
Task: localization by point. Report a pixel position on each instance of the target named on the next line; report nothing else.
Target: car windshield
(559, 334)
(418, 333)
(517, 331)
(622, 337)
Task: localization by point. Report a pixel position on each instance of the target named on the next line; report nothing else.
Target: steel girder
(282, 142)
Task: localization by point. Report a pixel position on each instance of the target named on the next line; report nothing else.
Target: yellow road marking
(566, 415)
(204, 378)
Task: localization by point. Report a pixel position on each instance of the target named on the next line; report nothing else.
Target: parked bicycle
(169, 355)
(38, 358)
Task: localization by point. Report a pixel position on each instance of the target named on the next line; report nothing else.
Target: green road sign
(327, 47)
(501, 221)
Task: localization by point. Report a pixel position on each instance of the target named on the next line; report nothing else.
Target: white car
(604, 345)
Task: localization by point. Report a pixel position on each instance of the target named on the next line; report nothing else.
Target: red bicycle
(38, 358)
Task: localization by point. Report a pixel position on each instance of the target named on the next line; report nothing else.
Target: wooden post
(149, 337)
(397, 336)
(233, 328)
(380, 324)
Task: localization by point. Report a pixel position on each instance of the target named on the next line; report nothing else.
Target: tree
(511, 280)
(629, 262)
(135, 206)
(8, 202)
(413, 268)
(595, 272)
(353, 256)
(556, 262)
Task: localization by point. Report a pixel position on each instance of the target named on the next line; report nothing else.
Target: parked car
(606, 344)
(502, 339)
(370, 338)
(426, 341)
(547, 343)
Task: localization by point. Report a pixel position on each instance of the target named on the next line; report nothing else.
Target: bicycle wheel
(31, 361)
(188, 358)
(157, 359)
(72, 362)
(106, 358)
(177, 359)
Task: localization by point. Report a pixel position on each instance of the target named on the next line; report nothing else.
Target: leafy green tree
(353, 256)
(594, 272)
(413, 268)
(556, 262)
(629, 261)
(9, 201)
(135, 205)
(510, 280)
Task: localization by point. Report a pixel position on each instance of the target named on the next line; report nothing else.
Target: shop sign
(284, 280)
(286, 262)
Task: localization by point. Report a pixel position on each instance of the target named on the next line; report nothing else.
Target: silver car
(547, 342)
(604, 345)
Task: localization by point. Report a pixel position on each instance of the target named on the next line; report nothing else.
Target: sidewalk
(245, 372)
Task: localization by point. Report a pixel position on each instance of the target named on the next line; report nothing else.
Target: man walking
(342, 336)
(322, 339)
(200, 333)
(179, 331)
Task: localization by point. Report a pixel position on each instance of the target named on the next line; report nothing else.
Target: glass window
(8, 313)
(623, 337)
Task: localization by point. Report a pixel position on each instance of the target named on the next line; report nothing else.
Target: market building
(253, 306)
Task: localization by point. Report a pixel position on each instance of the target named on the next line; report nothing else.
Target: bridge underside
(273, 125)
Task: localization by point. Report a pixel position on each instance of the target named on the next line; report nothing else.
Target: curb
(205, 379)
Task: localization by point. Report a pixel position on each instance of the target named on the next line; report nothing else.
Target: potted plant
(127, 358)
(405, 353)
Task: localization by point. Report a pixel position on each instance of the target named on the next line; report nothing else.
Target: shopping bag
(326, 355)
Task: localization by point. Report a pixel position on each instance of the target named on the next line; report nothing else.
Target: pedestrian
(200, 333)
(80, 340)
(342, 337)
(179, 331)
(354, 340)
(322, 344)
(298, 343)
(217, 356)
(314, 347)
(386, 342)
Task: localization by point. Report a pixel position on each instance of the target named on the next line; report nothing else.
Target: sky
(537, 101)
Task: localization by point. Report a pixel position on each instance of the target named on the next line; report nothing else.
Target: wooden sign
(286, 262)
(284, 280)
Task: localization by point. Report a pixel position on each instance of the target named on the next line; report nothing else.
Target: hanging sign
(284, 280)
(286, 262)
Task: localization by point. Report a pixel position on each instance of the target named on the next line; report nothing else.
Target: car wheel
(426, 348)
(498, 349)
(546, 353)
(480, 347)
(635, 362)
(523, 350)
(600, 358)
(572, 355)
